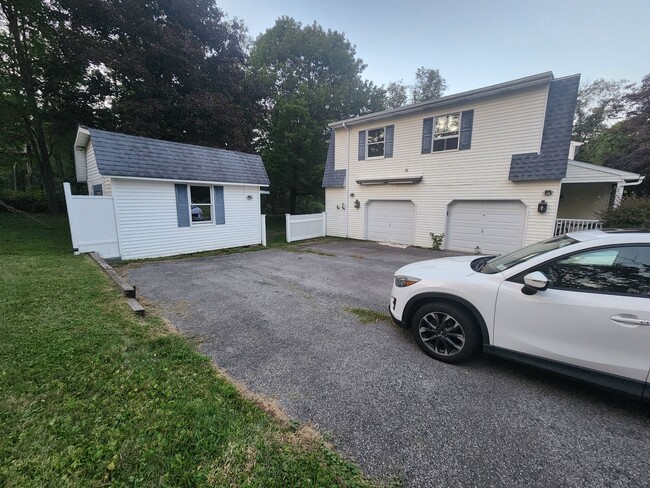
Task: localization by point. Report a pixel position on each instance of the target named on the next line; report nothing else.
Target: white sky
(476, 43)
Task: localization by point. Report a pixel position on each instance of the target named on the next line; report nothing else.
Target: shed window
(201, 204)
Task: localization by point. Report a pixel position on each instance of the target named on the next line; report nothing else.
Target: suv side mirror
(534, 282)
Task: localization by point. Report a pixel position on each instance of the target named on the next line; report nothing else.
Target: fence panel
(92, 224)
(309, 226)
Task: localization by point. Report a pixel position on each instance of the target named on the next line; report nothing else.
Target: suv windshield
(501, 263)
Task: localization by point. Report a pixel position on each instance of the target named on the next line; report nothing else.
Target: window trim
(519, 277)
(211, 204)
(383, 156)
(457, 136)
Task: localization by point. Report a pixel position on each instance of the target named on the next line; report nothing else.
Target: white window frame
(189, 199)
(375, 143)
(444, 138)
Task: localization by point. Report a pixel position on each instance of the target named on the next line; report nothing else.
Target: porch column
(619, 194)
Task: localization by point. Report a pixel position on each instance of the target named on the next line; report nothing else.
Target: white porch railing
(307, 226)
(562, 226)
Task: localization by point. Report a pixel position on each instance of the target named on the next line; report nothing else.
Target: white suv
(577, 304)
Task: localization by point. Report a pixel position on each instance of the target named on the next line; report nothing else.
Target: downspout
(347, 183)
(620, 187)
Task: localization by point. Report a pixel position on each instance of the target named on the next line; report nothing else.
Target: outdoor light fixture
(352, 195)
(357, 204)
(249, 197)
(542, 206)
(548, 193)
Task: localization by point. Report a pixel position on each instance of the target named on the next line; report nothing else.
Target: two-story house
(485, 167)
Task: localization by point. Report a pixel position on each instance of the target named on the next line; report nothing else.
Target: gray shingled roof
(332, 178)
(124, 155)
(551, 162)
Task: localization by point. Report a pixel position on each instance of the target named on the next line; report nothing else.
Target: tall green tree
(315, 78)
(429, 84)
(41, 79)
(600, 103)
(176, 70)
(626, 144)
(396, 94)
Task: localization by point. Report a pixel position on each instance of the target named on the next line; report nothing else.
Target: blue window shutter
(219, 208)
(182, 206)
(388, 141)
(466, 123)
(427, 135)
(362, 145)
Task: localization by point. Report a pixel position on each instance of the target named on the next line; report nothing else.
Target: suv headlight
(402, 281)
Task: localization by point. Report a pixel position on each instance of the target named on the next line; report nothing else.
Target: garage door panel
(493, 226)
(391, 221)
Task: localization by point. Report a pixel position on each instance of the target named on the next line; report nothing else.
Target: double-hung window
(376, 140)
(201, 205)
(376, 143)
(446, 129)
(447, 132)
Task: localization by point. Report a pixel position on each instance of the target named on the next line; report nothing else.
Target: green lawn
(92, 396)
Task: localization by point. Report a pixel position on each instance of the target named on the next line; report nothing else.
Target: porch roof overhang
(390, 181)
(580, 172)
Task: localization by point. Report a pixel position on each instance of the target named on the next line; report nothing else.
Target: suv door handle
(627, 320)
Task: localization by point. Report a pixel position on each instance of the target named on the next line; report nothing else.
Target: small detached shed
(151, 198)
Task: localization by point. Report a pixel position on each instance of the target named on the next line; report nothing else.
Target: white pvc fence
(562, 226)
(92, 224)
(307, 226)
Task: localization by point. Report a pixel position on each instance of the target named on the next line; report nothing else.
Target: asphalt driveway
(278, 321)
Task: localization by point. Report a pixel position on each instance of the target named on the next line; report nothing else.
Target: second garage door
(391, 221)
(495, 227)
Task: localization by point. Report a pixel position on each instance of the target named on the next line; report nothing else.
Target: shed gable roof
(142, 157)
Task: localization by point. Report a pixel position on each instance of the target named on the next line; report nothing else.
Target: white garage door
(495, 227)
(391, 221)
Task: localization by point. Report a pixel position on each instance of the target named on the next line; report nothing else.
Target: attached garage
(494, 227)
(391, 221)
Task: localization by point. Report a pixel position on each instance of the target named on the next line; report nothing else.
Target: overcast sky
(475, 43)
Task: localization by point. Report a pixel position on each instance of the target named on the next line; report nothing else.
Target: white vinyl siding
(391, 221)
(504, 125)
(494, 227)
(148, 227)
(94, 178)
(336, 216)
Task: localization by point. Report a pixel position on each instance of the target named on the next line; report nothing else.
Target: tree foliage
(599, 104)
(626, 144)
(41, 79)
(167, 69)
(315, 78)
(429, 84)
(396, 94)
(632, 213)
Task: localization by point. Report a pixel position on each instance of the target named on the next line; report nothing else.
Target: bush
(633, 212)
(33, 201)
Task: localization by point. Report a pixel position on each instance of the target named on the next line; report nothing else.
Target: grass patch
(367, 316)
(90, 395)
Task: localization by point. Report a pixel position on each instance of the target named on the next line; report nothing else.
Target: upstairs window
(446, 132)
(376, 142)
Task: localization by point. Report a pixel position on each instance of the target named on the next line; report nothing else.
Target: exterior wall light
(357, 204)
(548, 193)
(542, 206)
